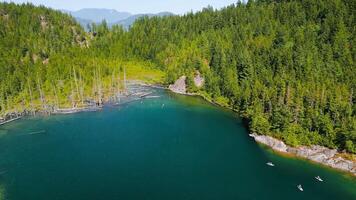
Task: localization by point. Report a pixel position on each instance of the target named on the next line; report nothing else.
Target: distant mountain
(130, 20)
(83, 22)
(93, 15)
(98, 15)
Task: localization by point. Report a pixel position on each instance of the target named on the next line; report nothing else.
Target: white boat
(270, 164)
(319, 179)
(300, 187)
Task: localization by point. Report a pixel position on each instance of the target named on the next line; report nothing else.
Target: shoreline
(14, 116)
(317, 154)
(211, 101)
(330, 158)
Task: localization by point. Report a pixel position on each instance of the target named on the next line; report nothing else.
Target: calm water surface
(172, 147)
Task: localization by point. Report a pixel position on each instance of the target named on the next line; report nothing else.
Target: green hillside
(286, 66)
(48, 60)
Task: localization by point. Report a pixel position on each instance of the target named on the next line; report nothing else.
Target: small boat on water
(270, 164)
(300, 187)
(319, 179)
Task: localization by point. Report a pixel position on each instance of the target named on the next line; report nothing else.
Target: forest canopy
(286, 66)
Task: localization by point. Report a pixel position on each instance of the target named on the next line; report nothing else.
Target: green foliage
(288, 66)
(260, 124)
(350, 146)
(48, 60)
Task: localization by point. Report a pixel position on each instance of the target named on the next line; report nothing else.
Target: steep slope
(48, 61)
(286, 66)
(30, 37)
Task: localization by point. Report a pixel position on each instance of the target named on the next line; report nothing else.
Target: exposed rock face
(81, 40)
(315, 153)
(4, 15)
(179, 86)
(46, 61)
(44, 22)
(198, 80)
(271, 142)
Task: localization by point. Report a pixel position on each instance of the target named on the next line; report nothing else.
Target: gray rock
(354, 170)
(179, 86)
(318, 157)
(343, 164)
(198, 80)
(270, 141)
(315, 153)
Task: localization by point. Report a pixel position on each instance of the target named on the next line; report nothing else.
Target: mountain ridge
(87, 16)
(97, 15)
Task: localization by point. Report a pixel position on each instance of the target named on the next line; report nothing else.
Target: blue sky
(133, 6)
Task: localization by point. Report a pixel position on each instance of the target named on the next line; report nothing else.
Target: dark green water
(184, 150)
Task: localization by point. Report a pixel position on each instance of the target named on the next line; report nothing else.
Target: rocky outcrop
(179, 86)
(198, 80)
(319, 154)
(4, 15)
(44, 22)
(271, 142)
(45, 61)
(80, 38)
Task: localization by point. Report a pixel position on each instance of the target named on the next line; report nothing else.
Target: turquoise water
(173, 147)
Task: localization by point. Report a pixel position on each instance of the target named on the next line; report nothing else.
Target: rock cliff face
(318, 154)
(198, 80)
(179, 86)
(271, 142)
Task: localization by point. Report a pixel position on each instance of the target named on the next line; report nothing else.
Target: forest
(287, 66)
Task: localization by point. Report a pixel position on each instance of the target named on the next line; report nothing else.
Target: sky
(132, 6)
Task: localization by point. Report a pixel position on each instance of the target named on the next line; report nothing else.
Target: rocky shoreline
(319, 154)
(315, 153)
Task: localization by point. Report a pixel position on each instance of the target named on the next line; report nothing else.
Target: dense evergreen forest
(48, 60)
(285, 65)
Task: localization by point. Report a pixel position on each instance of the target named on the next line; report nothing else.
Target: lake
(171, 147)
